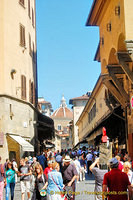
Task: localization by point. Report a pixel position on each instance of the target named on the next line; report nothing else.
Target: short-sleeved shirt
(68, 172)
(118, 182)
(24, 170)
(10, 176)
(99, 174)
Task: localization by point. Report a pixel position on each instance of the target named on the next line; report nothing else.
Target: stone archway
(121, 45)
(113, 57)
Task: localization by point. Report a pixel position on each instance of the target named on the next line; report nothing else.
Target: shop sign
(132, 102)
(105, 153)
(1, 138)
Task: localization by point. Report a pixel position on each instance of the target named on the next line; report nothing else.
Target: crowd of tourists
(53, 175)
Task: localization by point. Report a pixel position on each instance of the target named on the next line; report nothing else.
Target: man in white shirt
(89, 158)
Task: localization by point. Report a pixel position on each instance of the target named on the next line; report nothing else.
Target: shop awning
(26, 146)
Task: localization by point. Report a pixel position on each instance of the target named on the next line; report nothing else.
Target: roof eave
(89, 19)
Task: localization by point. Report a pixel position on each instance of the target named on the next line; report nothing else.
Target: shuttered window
(23, 87)
(31, 92)
(22, 35)
(30, 51)
(21, 2)
(29, 8)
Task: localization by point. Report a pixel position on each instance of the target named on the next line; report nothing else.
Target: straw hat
(67, 159)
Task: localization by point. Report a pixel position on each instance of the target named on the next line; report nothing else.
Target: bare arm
(94, 164)
(73, 179)
(44, 187)
(104, 191)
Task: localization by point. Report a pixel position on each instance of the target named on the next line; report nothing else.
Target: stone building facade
(18, 77)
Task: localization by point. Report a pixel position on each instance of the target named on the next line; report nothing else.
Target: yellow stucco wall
(111, 38)
(101, 110)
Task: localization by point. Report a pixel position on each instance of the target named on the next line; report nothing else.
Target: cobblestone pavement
(83, 189)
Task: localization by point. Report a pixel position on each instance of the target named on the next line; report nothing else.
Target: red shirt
(46, 171)
(120, 166)
(117, 182)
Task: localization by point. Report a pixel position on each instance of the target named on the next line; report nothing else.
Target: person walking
(69, 173)
(48, 169)
(24, 172)
(33, 177)
(95, 168)
(83, 168)
(2, 179)
(55, 183)
(10, 179)
(78, 166)
(40, 181)
(117, 182)
(89, 158)
(127, 170)
(58, 159)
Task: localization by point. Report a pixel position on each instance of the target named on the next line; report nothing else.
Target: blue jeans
(10, 186)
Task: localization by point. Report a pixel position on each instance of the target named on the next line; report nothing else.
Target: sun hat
(113, 163)
(67, 159)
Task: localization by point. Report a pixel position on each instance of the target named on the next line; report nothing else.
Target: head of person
(9, 166)
(50, 163)
(34, 159)
(67, 160)
(7, 160)
(55, 166)
(38, 169)
(126, 166)
(113, 163)
(22, 161)
(118, 158)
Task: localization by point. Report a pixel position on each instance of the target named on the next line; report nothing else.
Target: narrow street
(83, 189)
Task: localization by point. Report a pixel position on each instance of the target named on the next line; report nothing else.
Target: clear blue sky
(65, 49)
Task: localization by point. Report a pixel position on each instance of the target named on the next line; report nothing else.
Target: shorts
(25, 186)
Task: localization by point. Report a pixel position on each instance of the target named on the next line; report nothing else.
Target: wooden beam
(116, 69)
(125, 67)
(119, 86)
(114, 91)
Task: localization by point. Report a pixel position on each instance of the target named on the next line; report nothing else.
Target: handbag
(42, 191)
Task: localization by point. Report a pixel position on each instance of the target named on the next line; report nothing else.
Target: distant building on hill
(45, 107)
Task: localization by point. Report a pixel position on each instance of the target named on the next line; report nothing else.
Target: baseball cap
(113, 163)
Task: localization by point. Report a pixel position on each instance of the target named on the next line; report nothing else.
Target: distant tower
(63, 102)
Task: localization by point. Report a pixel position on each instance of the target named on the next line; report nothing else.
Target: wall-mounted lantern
(13, 71)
